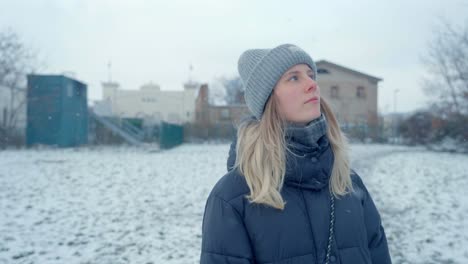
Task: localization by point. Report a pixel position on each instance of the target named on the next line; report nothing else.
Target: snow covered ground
(129, 205)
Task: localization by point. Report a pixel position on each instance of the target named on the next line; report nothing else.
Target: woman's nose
(311, 85)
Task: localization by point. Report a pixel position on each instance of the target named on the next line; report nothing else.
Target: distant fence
(194, 132)
(363, 132)
(227, 131)
(169, 135)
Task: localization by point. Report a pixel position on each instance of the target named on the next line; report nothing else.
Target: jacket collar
(309, 167)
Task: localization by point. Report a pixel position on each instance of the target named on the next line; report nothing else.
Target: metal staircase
(131, 134)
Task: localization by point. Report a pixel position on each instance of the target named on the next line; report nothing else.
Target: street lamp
(394, 119)
(394, 99)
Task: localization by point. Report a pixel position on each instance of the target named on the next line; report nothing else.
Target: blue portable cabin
(57, 111)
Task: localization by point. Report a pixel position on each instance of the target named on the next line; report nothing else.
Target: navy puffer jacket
(236, 231)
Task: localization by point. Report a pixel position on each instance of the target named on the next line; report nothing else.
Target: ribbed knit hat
(261, 69)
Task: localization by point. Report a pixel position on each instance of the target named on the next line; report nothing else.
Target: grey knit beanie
(261, 69)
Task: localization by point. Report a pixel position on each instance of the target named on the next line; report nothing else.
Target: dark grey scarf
(307, 135)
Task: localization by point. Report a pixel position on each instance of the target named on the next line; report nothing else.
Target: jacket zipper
(310, 224)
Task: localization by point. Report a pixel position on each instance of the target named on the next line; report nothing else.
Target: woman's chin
(308, 119)
(315, 115)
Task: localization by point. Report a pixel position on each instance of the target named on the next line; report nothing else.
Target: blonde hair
(261, 155)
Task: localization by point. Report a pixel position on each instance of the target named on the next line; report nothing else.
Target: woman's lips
(312, 100)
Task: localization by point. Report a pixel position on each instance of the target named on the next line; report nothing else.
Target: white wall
(5, 96)
(150, 102)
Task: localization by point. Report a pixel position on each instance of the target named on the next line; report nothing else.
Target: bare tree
(16, 61)
(234, 90)
(447, 64)
(447, 83)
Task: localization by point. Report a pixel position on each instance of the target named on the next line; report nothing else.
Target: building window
(225, 113)
(322, 71)
(334, 92)
(360, 92)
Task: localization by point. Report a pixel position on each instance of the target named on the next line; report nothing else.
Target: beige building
(149, 103)
(352, 94)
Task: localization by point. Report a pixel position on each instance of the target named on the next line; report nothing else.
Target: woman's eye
(293, 78)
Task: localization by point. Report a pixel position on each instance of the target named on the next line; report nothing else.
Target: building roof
(370, 77)
(57, 76)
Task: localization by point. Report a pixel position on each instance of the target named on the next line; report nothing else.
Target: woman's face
(298, 95)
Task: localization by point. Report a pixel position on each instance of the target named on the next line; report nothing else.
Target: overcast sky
(158, 40)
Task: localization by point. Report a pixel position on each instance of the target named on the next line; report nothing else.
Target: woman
(290, 196)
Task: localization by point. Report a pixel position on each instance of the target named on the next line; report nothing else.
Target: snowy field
(128, 205)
